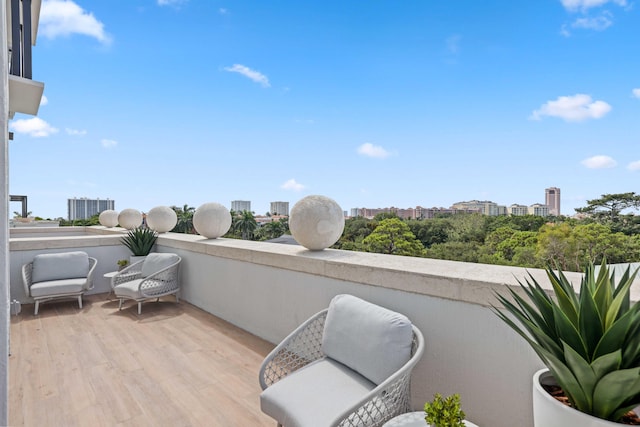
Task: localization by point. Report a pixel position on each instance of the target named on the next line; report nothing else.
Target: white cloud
(453, 43)
(636, 92)
(574, 108)
(170, 2)
(223, 11)
(44, 100)
(634, 166)
(584, 5)
(370, 150)
(35, 127)
(256, 76)
(75, 132)
(292, 185)
(598, 23)
(109, 143)
(64, 17)
(599, 162)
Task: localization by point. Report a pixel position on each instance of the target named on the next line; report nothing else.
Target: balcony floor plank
(174, 365)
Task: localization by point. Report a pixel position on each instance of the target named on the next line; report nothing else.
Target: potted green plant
(140, 241)
(589, 341)
(444, 411)
(122, 263)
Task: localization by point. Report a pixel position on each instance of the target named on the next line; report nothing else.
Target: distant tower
(84, 208)
(552, 199)
(241, 205)
(280, 208)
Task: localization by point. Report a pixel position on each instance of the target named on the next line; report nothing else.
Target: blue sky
(372, 103)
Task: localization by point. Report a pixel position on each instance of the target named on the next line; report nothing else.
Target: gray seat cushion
(372, 340)
(155, 262)
(315, 394)
(130, 289)
(57, 287)
(67, 265)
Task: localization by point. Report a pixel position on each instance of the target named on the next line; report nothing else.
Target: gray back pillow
(369, 339)
(156, 261)
(67, 265)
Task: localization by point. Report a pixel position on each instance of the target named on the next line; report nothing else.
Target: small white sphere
(130, 218)
(212, 220)
(162, 219)
(316, 222)
(108, 218)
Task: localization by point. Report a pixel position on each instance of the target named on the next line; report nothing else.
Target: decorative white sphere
(162, 219)
(108, 218)
(212, 220)
(316, 222)
(130, 218)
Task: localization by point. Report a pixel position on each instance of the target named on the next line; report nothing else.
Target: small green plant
(122, 263)
(590, 340)
(444, 412)
(140, 241)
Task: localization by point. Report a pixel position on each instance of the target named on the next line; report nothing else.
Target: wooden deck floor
(174, 365)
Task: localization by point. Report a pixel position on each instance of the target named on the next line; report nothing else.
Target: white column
(4, 217)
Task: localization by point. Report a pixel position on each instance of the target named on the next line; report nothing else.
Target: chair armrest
(389, 399)
(160, 282)
(27, 269)
(298, 349)
(92, 266)
(132, 272)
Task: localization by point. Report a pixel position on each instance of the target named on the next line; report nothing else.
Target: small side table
(414, 419)
(109, 276)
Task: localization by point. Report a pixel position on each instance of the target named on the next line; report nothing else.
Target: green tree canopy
(393, 236)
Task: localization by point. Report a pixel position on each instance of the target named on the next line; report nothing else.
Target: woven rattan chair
(57, 276)
(153, 277)
(315, 389)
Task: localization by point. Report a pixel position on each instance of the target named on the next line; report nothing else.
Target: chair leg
(120, 305)
(35, 313)
(140, 307)
(80, 300)
(177, 298)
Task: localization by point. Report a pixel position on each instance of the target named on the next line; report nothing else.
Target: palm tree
(245, 224)
(185, 219)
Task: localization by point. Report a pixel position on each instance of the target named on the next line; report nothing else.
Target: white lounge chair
(58, 275)
(153, 277)
(348, 365)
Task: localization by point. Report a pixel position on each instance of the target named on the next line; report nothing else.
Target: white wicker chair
(303, 347)
(57, 276)
(153, 277)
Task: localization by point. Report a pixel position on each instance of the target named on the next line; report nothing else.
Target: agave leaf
(590, 321)
(612, 391)
(566, 380)
(583, 373)
(621, 297)
(603, 294)
(607, 363)
(568, 333)
(565, 295)
(631, 347)
(542, 305)
(615, 337)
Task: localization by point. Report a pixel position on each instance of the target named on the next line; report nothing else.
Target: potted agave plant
(590, 343)
(140, 242)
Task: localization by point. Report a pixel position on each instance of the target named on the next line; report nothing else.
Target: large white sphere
(162, 219)
(316, 222)
(108, 218)
(130, 218)
(212, 220)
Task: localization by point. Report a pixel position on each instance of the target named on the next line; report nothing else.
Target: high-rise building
(552, 199)
(241, 205)
(539, 210)
(518, 210)
(84, 208)
(279, 208)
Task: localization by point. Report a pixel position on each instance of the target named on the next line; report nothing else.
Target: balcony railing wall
(269, 289)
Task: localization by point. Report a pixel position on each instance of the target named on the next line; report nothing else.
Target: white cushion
(372, 340)
(67, 265)
(57, 287)
(131, 289)
(155, 262)
(314, 395)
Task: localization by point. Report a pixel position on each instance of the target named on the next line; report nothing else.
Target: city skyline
(170, 102)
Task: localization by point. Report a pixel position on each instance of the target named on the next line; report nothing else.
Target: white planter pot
(548, 412)
(134, 258)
